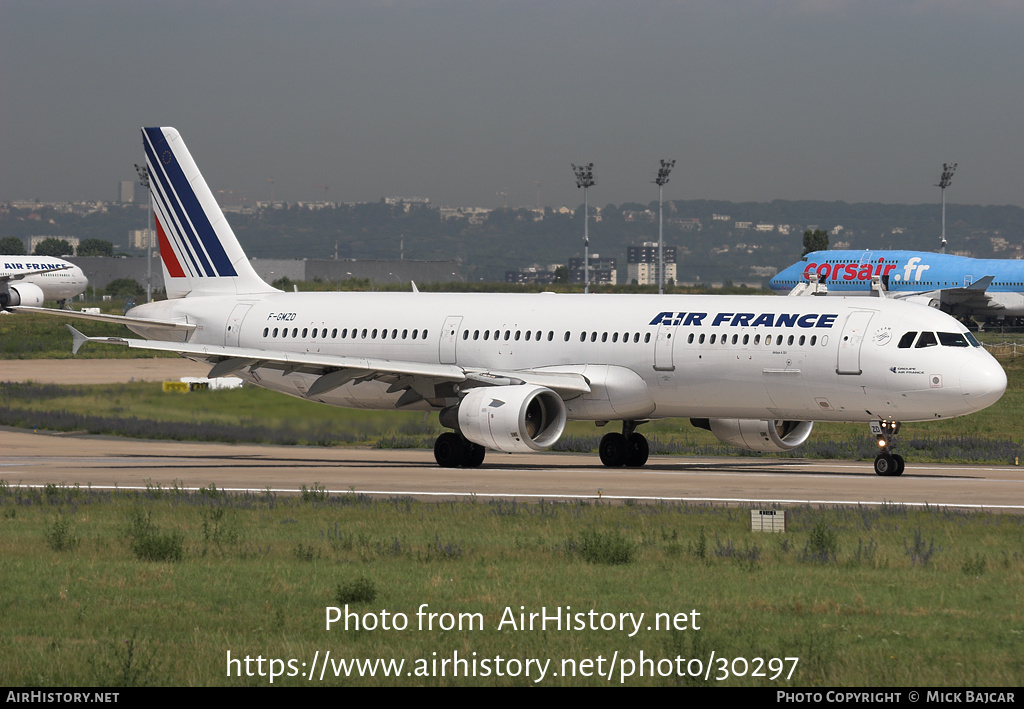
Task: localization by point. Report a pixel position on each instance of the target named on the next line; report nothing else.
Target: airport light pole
(585, 179)
(660, 180)
(143, 172)
(947, 176)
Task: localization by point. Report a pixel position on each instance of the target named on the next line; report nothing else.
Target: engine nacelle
(514, 419)
(767, 436)
(28, 294)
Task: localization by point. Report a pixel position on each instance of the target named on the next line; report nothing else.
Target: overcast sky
(458, 100)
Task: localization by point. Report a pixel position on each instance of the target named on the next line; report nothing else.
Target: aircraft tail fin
(198, 249)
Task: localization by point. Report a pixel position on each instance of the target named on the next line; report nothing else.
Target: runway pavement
(100, 371)
(39, 458)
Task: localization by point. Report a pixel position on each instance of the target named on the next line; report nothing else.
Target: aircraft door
(234, 327)
(851, 340)
(663, 360)
(449, 339)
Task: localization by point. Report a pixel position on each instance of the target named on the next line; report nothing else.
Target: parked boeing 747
(958, 285)
(506, 371)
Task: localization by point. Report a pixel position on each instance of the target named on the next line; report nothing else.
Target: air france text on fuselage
(32, 267)
(805, 320)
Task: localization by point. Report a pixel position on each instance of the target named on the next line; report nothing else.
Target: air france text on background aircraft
(992, 288)
(31, 280)
(506, 371)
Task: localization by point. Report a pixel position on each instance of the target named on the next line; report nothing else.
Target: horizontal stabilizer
(105, 317)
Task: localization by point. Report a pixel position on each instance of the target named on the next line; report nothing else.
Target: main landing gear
(628, 448)
(887, 463)
(451, 450)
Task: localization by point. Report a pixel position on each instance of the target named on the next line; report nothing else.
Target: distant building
(530, 275)
(126, 191)
(603, 271)
(137, 238)
(642, 263)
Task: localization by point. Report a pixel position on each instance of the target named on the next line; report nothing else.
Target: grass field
(157, 587)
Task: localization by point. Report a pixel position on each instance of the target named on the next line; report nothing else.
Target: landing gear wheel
(638, 451)
(472, 454)
(614, 449)
(449, 450)
(885, 465)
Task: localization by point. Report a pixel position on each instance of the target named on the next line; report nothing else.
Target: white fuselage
(59, 280)
(644, 356)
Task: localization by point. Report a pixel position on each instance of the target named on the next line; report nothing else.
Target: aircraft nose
(982, 381)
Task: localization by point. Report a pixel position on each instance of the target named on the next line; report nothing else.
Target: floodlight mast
(947, 176)
(660, 181)
(143, 172)
(585, 179)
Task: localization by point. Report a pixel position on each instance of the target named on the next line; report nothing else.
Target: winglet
(77, 339)
(981, 284)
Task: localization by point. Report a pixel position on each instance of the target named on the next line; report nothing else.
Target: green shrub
(360, 590)
(595, 547)
(60, 536)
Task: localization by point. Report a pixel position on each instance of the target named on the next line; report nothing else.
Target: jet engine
(766, 436)
(28, 294)
(514, 419)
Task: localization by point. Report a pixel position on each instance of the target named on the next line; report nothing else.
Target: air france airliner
(961, 286)
(506, 371)
(31, 280)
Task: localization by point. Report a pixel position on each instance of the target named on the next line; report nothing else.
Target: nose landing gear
(887, 463)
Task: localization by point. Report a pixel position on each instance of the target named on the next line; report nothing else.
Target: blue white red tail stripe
(199, 251)
(179, 200)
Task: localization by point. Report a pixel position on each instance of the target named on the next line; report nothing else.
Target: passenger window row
(756, 339)
(539, 335)
(346, 334)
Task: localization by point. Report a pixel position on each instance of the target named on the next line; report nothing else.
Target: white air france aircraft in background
(31, 280)
(505, 372)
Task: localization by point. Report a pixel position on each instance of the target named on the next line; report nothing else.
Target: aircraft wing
(22, 274)
(104, 317)
(416, 379)
(974, 295)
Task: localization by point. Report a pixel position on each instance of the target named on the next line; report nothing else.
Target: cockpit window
(927, 339)
(972, 339)
(953, 339)
(907, 340)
